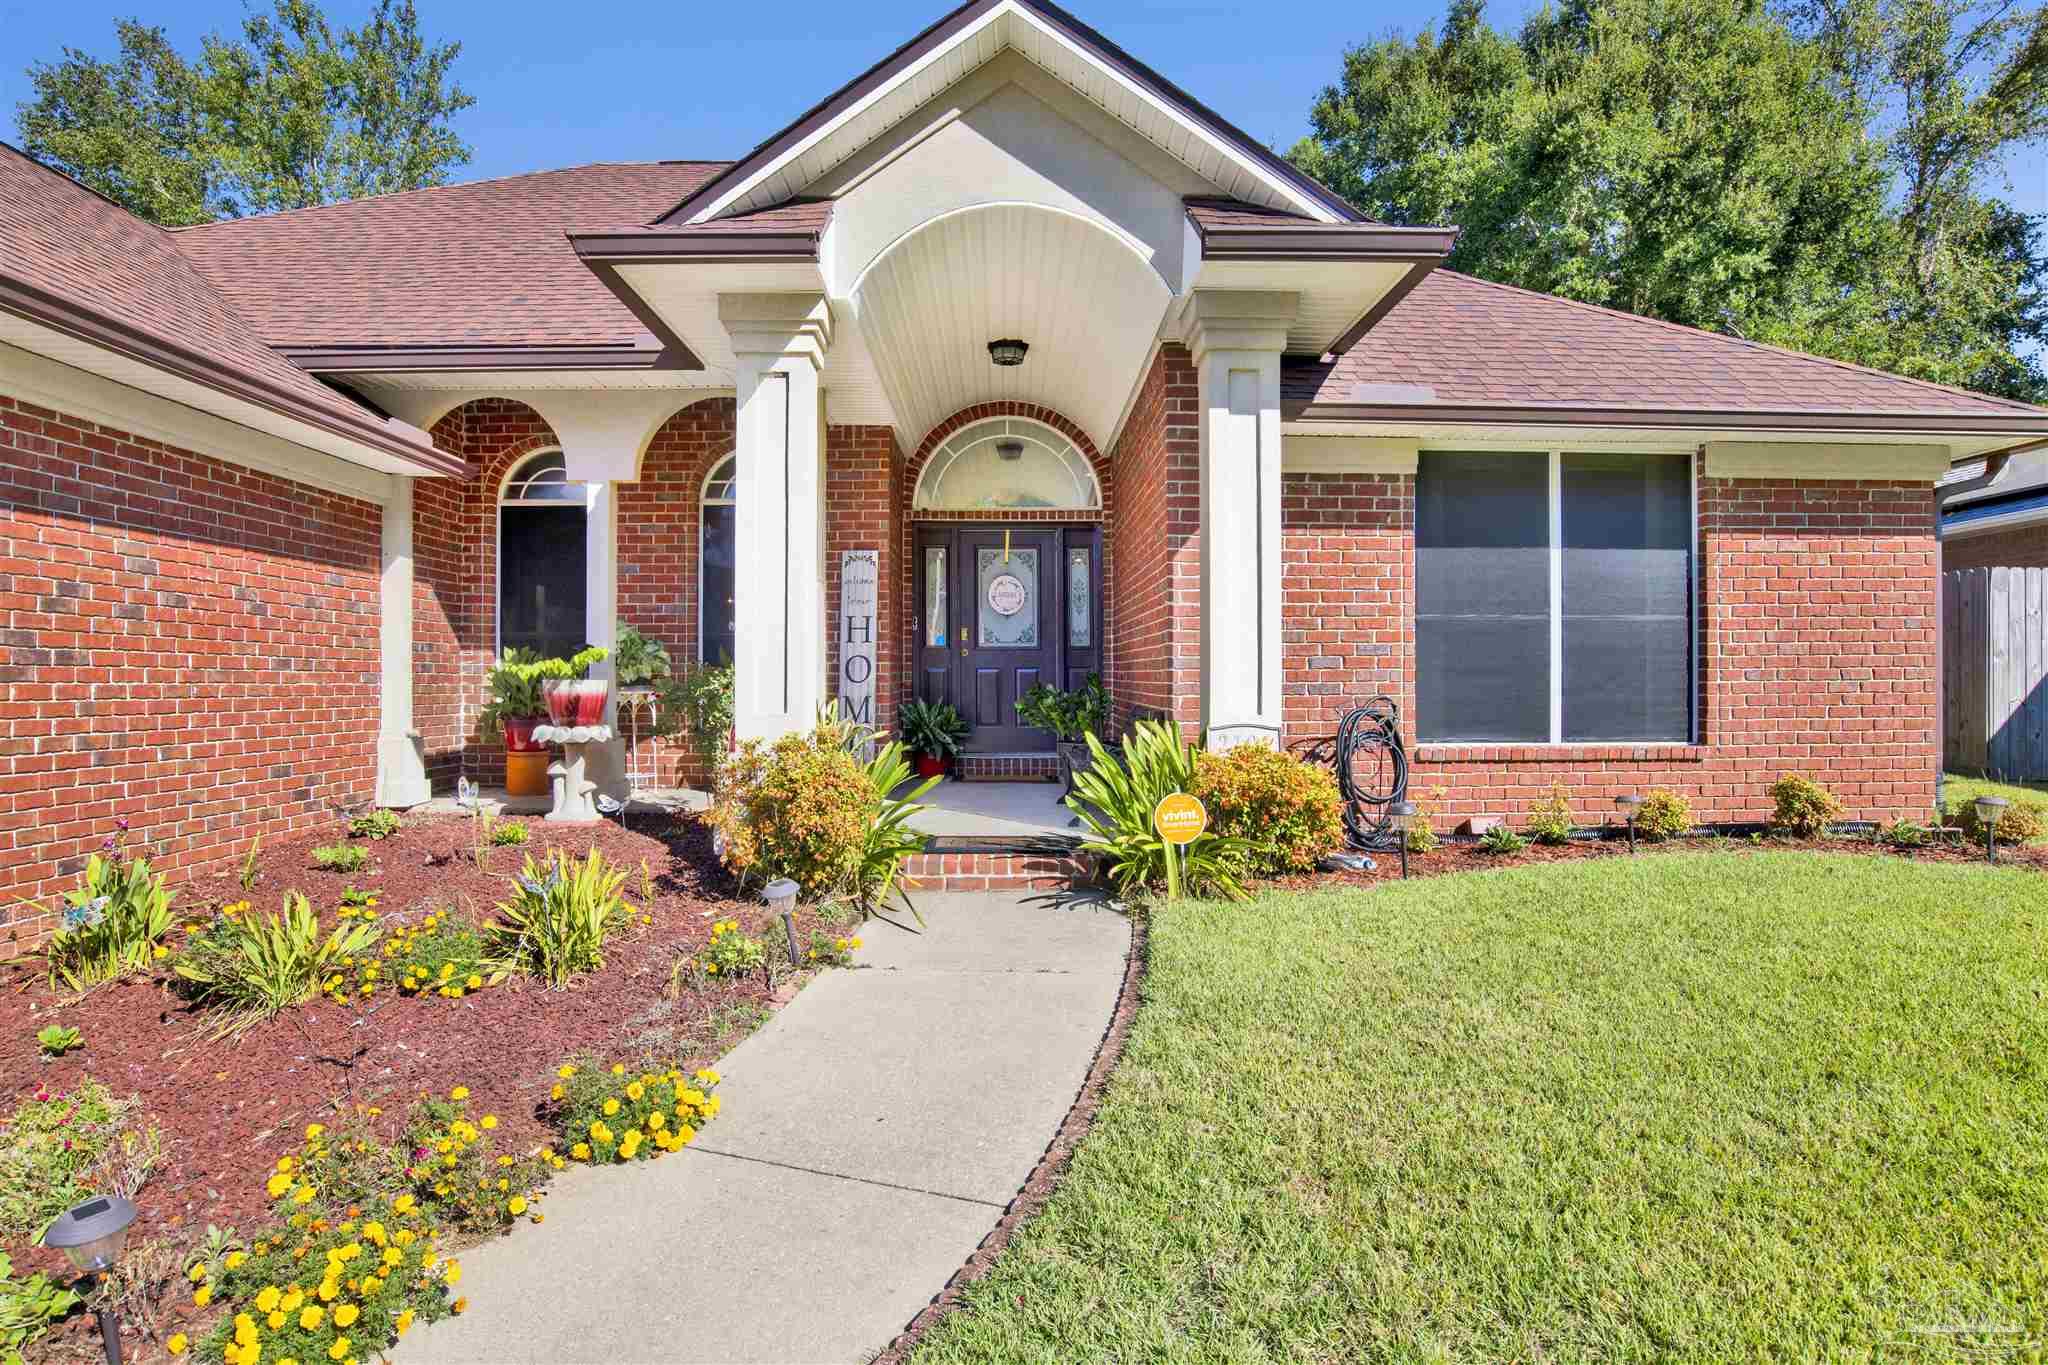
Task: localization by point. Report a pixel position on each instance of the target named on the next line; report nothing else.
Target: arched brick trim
(899, 649)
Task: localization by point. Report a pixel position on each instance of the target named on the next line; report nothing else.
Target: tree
(1700, 161)
(287, 115)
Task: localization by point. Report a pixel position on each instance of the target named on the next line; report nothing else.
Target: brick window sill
(1560, 753)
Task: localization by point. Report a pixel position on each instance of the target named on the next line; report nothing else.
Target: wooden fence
(1994, 630)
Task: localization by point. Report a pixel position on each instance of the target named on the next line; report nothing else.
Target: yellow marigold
(329, 1291)
(177, 1344)
(373, 1232)
(656, 1119)
(314, 1130)
(475, 982)
(708, 1076)
(293, 1297)
(303, 1195)
(268, 1297)
(346, 1313)
(393, 1256)
(402, 1204)
(599, 1132)
(196, 1273)
(203, 1296)
(339, 1350)
(453, 1274)
(517, 1206)
(557, 1092)
(618, 1068)
(235, 1259)
(460, 1092)
(460, 1306)
(634, 1090)
(404, 1322)
(566, 1072)
(631, 1145)
(275, 1320)
(312, 1317)
(611, 1107)
(581, 1151)
(488, 1122)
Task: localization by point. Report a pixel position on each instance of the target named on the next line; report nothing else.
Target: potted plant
(932, 730)
(573, 697)
(1071, 716)
(514, 708)
(640, 661)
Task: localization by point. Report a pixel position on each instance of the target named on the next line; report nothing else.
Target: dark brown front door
(1000, 610)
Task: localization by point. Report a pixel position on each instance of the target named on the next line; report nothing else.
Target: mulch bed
(229, 1109)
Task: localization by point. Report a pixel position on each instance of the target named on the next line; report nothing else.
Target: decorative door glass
(1080, 604)
(935, 605)
(1006, 593)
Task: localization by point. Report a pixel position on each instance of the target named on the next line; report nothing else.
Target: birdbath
(573, 789)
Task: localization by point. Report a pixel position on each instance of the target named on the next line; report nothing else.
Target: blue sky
(558, 85)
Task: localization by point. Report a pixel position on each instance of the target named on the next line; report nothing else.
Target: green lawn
(1690, 1106)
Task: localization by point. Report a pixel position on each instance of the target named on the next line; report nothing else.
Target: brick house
(1099, 384)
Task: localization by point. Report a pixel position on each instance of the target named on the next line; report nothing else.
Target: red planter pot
(577, 703)
(931, 765)
(519, 735)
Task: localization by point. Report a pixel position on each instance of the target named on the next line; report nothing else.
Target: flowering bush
(436, 956)
(113, 924)
(610, 1114)
(1803, 806)
(555, 926)
(828, 950)
(1288, 812)
(457, 1177)
(1551, 819)
(731, 954)
(57, 1148)
(800, 809)
(251, 969)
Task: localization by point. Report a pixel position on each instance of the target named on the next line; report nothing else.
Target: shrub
(437, 956)
(2021, 822)
(610, 1114)
(701, 702)
(252, 968)
(830, 950)
(798, 809)
(1287, 812)
(55, 1041)
(55, 1149)
(340, 857)
(506, 834)
(1551, 820)
(457, 1177)
(113, 924)
(1803, 806)
(1115, 799)
(1422, 835)
(730, 954)
(555, 926)
(376, 824)
(28, 1306)
(1665, 815)
(1905, 834)
(1500, 841)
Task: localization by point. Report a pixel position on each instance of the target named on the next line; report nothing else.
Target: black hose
(1372, 773)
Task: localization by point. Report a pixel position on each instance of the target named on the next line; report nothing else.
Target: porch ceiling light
(1007, 353)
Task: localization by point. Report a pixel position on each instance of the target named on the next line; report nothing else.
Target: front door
(994, 620)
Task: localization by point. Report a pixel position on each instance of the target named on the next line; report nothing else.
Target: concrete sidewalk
(872, 1133)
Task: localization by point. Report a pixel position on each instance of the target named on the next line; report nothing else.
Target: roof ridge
(430, 189)
(1952, 389)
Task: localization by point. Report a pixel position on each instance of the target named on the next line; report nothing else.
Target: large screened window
(719, 539)
(1553, 597)
(542, 558)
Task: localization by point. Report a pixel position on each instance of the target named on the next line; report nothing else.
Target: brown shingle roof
(485, 263)
(1491, 345)
(1210, 212)
(73, 260)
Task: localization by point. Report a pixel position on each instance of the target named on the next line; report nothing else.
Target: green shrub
(341, 857)
(506, 834)
(1287, 812)
(890, 841)
(1422, 835)
(458, 1178)
(555, 926)
(112, 925)
(731, 954)
(1664, 815)
(701, 703)
(2021, 822)
(1115, 799)
(1802, 806)
(615, 1114)
(799, 809)
(1500, 841)
(377, 824)
(1551, 820)
(251, 968)
(831, 950)
(29, 1306)
(55, 1149)
(1906, 834)
(55, 1040)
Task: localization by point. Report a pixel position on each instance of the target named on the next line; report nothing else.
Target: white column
(1236, 339)
(401, 766)
(606, 762)
(779, 343)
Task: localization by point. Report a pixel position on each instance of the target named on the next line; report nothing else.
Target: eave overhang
(114, 335)
(391, 359)
(2017, 426)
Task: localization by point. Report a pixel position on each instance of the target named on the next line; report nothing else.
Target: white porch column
(1236, 339)
(779, 342)
(606, 762)
(401, 766)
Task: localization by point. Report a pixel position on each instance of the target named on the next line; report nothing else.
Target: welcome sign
(859, 574)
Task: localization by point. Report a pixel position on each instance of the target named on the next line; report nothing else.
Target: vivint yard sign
(859, 572)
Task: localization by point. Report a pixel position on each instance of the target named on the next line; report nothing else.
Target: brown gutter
(40, 306)
(705, 243)
(371, 359)
(1482, 414)
(1325, 242)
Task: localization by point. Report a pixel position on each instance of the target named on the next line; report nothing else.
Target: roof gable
(790, 163)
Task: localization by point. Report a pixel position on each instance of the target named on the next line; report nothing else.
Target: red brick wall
(2025, 547)
(1817, 641)
(191, 646)
(1156, 652)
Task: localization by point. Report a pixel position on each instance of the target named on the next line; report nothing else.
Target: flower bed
(228, 1111)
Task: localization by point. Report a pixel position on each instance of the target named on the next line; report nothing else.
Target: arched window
(718, 528)
(542, 557)
(1007, 464)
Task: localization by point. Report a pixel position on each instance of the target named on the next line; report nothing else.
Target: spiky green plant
(890, 840)
(251, 967)
(111, 924)
(1115, 799)
(555, 925)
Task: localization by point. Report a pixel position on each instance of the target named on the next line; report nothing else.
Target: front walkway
(872, 1133)
(1021, 810)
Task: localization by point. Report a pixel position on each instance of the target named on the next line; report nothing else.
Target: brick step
(999, 871)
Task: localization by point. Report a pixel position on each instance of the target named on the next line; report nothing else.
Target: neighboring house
(1994, 513)
(275, 490)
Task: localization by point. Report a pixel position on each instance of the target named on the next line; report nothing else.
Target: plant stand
(573, 789)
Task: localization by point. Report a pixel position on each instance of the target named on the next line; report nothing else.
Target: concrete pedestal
(575, 793)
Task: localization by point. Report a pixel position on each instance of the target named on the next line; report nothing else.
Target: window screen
(541, 567)
(1627, 596)
(1482, 596)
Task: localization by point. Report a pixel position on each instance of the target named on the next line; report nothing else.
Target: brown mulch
(229, 1109)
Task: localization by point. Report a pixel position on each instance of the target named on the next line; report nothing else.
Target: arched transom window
(718, 527)
(542, 557)
(1007, 464)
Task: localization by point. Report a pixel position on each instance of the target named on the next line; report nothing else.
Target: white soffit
(1009, 27)
(1334, 294)
(1825, 460)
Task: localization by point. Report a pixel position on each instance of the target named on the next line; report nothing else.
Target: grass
(1955, 788)
(1696, 1106)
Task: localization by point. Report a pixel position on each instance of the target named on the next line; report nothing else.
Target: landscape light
(781, 897)
(1402, 816)
(92, 1235)
(1630, 805)
(1990, 810)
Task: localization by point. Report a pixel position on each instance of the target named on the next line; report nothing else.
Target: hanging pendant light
(1008, 354)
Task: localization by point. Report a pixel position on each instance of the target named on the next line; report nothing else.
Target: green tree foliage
(289, 114)
(1708, 162)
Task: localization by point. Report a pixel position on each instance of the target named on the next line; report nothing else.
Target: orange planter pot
(526, 774)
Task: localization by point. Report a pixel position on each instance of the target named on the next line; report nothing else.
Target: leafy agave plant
(111, 924)
(555, 927)
(890, 840)
(254, 967)
(1115, 800)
